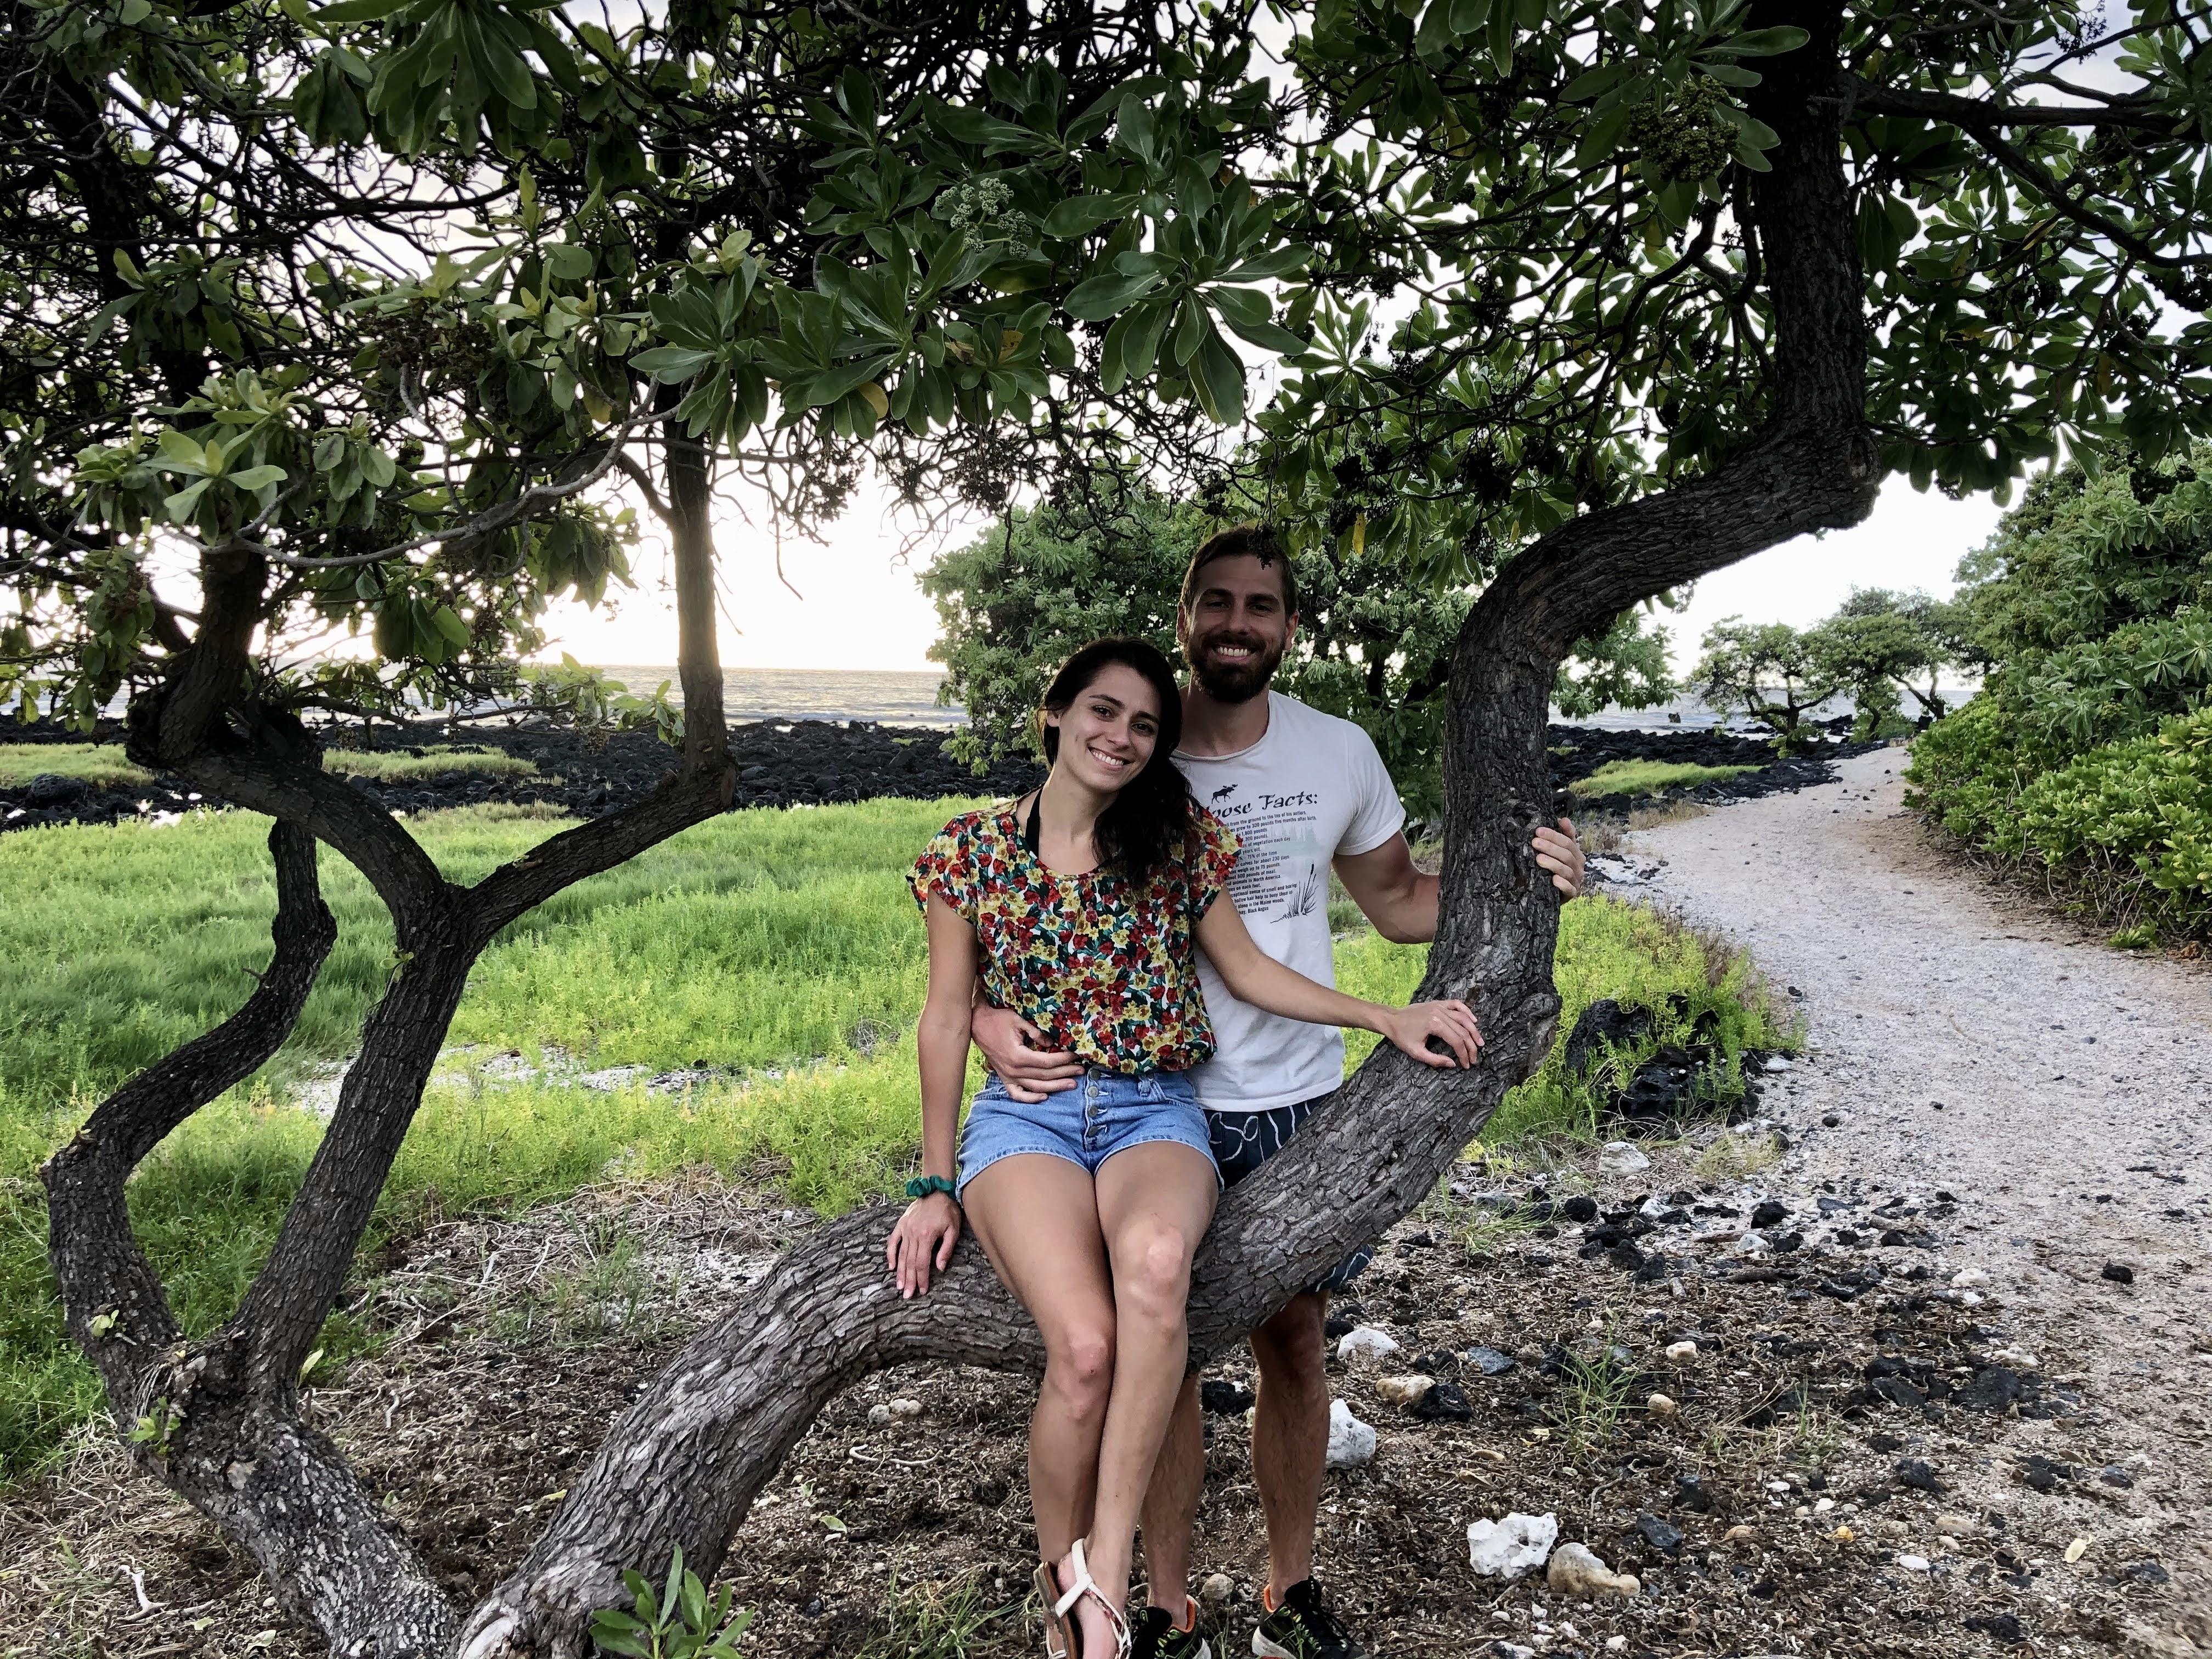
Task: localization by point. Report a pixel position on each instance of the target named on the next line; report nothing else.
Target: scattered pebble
(1216, 1590)
(1350, 1442)
(1913, 1563)
(1969, 1277)
(1364, 1341)
(1574, 1571)
(1681, 1353)
(1403, 1391)
(1621, 1158)
(1512, 1547)
(1660, 1405)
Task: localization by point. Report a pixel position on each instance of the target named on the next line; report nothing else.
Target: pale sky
(862, 609)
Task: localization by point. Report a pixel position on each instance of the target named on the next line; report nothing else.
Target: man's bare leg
(1289, 1435)
(1170, 1512)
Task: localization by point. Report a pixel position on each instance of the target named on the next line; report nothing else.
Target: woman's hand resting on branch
(1449, 1022)
(922, 1243)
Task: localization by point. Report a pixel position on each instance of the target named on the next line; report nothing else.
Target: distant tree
(1769, 670)
(1880, 644)
(1624, 667)
(2091, 605)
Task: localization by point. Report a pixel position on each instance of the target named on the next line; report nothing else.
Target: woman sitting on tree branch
(1081, 907)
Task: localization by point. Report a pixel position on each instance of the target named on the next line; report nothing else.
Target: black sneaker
(1156, 1637)
(1302, 1627)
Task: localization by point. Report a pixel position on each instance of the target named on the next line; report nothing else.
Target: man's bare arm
(1401, 902)
(1398, 898)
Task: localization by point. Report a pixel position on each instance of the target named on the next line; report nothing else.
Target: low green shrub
(1646, 777)
(402, 766)
(2123, 831)
(100, 764)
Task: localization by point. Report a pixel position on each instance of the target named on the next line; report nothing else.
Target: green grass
(1608, 948)
(757, 938)
(398, 766)
(762, 939)
(102, 763)
(1644, 777)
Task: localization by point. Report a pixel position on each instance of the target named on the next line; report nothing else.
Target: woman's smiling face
(1109, 730)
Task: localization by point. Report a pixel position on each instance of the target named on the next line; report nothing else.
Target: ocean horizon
(884, 695)
(909, 697)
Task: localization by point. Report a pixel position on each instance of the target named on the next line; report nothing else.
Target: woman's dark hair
(1148, 821)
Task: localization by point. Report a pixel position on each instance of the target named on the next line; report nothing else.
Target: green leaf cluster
(682, 1621)
(2084, 757)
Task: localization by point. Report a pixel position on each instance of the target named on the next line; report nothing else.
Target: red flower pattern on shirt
(1104, 966)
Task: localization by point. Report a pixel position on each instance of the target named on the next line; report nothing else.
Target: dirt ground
(1861, 1457)
(1808, 1505)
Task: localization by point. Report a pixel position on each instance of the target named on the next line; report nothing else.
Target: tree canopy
(346, 323)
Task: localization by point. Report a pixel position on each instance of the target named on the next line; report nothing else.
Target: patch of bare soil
(1859, 1459)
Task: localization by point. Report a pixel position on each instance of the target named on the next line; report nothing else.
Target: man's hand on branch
(1559, 852)
(1011, 1047)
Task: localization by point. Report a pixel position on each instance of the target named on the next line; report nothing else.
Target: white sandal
(1058, 1603)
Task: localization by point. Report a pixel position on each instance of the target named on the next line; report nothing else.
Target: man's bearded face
(1236, 629)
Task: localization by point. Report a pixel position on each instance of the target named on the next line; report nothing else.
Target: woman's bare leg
(1154, 1203)
(1037, 1219)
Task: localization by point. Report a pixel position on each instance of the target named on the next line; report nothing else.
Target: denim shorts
(1105, 1113)
(1242, 1142)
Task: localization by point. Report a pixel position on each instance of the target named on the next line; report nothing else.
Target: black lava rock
(1913, 1472)
(2146, 1572)
(1690, 1494)
(1445, 1403)
(1582, 1208)
(1224, 1399)
(1489, 1361)
(1998, 1627)
(1768, 1215)
(1661, 1536)
(2118, 1273)
(1604, 1021)
(2041, 1474)
(1996, 1389)
(1626, 1257)
(49, 789)
(1441, 1363)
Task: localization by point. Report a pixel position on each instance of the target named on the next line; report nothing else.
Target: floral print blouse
(1104, 966)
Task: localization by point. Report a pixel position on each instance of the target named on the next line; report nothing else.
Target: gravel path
(2074, 1084)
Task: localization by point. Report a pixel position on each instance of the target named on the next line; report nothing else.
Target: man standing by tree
(1305, 792)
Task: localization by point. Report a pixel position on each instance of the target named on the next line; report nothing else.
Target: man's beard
(1232, 681)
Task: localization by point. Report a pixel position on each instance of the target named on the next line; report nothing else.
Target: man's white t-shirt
(1313, 788)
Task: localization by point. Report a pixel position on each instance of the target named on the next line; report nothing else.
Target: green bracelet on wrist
(923, 1185)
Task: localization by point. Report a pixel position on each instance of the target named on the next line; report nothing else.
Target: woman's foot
(1099, 1630)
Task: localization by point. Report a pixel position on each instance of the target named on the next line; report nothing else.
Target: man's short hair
(1256, 540)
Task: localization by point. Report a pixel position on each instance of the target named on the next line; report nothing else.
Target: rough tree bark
(682, 1465)
(685, 1462)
